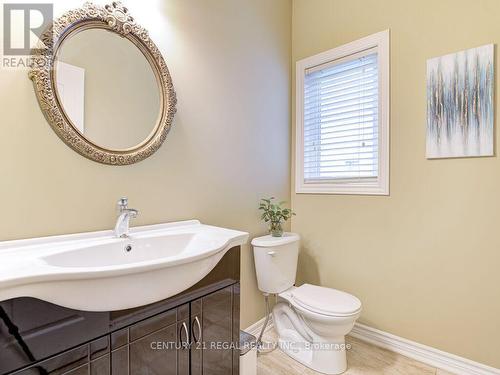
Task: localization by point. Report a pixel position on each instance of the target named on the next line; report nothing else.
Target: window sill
(343, 189)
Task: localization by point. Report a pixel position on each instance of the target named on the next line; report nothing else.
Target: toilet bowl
(311, 321)
(311, 335)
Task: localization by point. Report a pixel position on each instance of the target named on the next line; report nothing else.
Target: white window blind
(340, 109)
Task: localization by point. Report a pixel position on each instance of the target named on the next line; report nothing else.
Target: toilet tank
(276, 261)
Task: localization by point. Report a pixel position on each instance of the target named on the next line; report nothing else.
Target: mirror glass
(107, 88)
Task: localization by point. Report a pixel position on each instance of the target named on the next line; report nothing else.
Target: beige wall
(424, 261)
(229, 146)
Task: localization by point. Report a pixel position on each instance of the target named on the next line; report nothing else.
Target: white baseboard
(255, 328)
(422, 353)
(411, 349)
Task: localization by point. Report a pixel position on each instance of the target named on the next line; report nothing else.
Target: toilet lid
(326, 301)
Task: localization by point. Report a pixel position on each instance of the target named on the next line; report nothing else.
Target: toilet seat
(325, 301)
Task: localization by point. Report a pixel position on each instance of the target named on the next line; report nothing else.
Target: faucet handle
(122, 203)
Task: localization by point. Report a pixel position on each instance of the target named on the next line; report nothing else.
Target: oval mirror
(103, 85)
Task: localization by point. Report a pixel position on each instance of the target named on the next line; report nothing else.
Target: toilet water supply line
(282, 309)
(260, 349)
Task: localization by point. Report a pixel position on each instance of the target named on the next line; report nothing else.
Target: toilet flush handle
(271, 253)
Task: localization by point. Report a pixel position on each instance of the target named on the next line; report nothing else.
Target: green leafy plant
(275, 215)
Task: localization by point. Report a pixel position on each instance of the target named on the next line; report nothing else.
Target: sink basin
(99, 272)
(132, 250)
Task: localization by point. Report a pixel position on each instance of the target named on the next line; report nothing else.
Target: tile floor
(362, 358)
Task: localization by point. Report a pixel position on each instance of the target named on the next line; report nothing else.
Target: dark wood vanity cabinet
(196, 332)
(158, 345)
(213, 333)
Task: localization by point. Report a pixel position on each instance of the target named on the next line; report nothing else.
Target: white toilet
(311, 321)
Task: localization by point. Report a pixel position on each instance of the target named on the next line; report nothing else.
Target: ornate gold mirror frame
(116, 18)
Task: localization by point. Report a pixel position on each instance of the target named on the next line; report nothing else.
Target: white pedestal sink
(99, 272)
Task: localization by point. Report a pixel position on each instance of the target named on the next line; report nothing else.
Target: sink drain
(128, 248)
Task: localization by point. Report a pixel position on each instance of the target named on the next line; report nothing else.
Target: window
(342, 133)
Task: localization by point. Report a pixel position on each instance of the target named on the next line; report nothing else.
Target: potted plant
(275, 215)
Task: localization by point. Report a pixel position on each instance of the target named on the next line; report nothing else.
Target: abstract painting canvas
(460, 104)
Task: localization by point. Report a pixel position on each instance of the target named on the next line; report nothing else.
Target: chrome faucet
(124, 215)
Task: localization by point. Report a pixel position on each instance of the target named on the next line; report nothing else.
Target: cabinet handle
(197, 321)
(184, 344)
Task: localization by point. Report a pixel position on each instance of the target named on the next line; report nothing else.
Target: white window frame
(379, 186)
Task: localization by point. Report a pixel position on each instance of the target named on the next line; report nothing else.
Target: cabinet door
(153, 346)
(32, 330)
(93, 357)
(212, 333)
